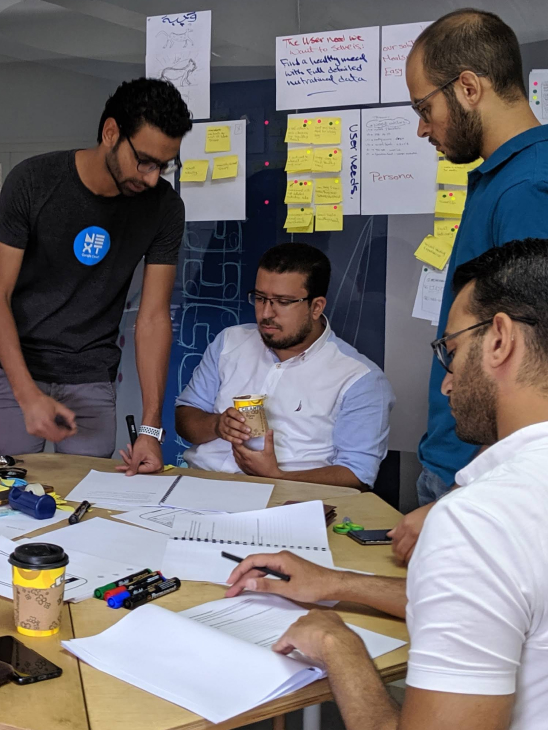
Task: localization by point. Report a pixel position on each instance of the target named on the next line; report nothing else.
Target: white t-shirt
(478, 582)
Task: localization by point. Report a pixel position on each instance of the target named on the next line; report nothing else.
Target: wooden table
(87, 699)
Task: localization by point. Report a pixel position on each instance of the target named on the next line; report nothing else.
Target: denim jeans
(430, 487)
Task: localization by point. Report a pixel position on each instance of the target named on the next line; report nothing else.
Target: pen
(153, 592)
(100, 592)
(266, 571)
(79, 512)
(130, 420)
(62, 422)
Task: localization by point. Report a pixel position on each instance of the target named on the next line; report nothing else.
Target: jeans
(430, 487)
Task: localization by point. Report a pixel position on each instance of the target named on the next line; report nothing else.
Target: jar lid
(38, 556)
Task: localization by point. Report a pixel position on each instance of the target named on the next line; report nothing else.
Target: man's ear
(317, 306)
(469, 90)
(500, 340)
(111, 133)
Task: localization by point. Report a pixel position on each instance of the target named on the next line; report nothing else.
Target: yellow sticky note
(326, 130)
(450, 203)
(194, 171)
(298, 217)
(434, 251)
(299, 160)
(299, 131)
(217, 139)
(299, 191)
(224, 167)
(329, 218)
(328, 190)
(446, 229)
(308, 229)
(327, 159)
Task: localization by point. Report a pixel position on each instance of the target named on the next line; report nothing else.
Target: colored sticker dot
(444, 196)
(120, 377)
(334, 152)
(330, 155)
(266, 122)
(334, 207)
(295, 182)
(266, 202)
(305, 183)
(337, 180)
(535, 83)
(302, 210)
(456, 226)
(534, 97)
(307, 152)
(266, 164)
(330, 124)
(319, 121)
(450, 195)
(306, 121)
(337, 122)
(538, 102)
(300, 183)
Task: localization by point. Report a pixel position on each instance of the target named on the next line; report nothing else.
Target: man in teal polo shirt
(466, 83)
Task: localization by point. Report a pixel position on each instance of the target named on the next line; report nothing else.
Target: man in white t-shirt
(477, 588)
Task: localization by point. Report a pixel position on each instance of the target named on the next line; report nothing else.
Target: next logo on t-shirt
(91, 245)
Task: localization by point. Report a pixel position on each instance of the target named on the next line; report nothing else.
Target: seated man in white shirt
(477, 587)
(326, 404)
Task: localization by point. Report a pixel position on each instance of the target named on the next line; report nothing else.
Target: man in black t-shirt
(73, 227)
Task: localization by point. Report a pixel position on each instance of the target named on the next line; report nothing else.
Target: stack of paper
(214, 659)
(14, 523)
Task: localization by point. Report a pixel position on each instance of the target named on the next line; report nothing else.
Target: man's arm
(153, 337)
(200, 427)
(38, 409)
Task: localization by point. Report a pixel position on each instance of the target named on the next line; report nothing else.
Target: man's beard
(474, 402)
(286, 342)
(113, 166)
(464, 135)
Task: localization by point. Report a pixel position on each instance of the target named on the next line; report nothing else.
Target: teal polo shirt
(507, 200)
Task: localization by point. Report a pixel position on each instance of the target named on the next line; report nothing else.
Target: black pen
(267, 571)
(130, 420)
(79, 512)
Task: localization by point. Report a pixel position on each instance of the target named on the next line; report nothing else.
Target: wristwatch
(157, 433)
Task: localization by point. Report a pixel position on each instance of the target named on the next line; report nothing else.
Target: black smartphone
(27, 665)
(370, 537)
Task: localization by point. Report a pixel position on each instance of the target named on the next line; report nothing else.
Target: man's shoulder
(237, 335)
(35, 169)
(350, 356)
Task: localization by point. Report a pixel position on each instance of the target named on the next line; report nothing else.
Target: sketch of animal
(179, 76)
(170, 39)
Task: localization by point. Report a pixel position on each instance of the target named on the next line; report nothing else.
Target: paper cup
(252, 408)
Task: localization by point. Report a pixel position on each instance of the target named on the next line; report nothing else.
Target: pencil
(267, 571)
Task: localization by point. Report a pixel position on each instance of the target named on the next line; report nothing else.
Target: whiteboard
(215, 200)
(397, 42)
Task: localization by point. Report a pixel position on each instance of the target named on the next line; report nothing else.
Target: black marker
(155, 591)
(62, 422)
(130, 420)
(79, 512)
(266, 571)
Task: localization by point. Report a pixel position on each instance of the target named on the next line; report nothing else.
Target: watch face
(162, 435)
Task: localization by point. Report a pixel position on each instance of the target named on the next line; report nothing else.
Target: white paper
(396, 44)
(179, 50)
(215, 200)
(14, 523)
(219, 495)
(119, 492)
(398, 168)
(429, 294)
(159, 519)
(327, 69)
(112, 541)
(351, 159)
(6, 549)
(214, 659)
(538, 93)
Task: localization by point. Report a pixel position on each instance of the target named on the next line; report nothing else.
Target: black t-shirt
(81, 251)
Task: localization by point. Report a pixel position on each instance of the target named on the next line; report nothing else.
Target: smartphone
(27, 665)
(370, 537)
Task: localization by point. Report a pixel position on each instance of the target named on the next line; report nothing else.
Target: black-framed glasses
(276, 303)
(440, 348)
(147, 166)
(422, 112)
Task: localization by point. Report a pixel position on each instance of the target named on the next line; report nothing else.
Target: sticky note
(451, 174)
(299, 131)
(298, 217)
(217, 139)
(450, 203)
(194, 171)
(329, 218)
(327, 159)
(224, 167)
(328, 190)
(447, 229)
(299, 191)
(308, 229)
(434, 251)
(299, 160)
(326, 130)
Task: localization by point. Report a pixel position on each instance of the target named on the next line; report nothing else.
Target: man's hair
(147, 101)
(303, 259)
(472, 40)
(513, 279)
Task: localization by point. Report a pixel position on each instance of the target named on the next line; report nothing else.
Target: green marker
(100, 592)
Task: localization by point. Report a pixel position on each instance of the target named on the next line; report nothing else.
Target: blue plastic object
(117, 601)
(41, 508)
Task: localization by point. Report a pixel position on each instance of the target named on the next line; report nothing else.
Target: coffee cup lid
(38, 556)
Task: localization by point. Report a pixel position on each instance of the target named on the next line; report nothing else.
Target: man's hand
(317, 635)
(48, 419)
(144, 457)
(406, 533)
(258, 463)
(231, 427)
(309, 582)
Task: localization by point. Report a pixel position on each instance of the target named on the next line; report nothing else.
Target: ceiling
(106, 38)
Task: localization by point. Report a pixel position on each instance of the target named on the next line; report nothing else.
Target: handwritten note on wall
(333, 68)
(398, 168)
(396, 45)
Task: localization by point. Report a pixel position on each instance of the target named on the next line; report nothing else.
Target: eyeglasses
(279, 303)
(147, 166)
(422, 112)
(446, 358)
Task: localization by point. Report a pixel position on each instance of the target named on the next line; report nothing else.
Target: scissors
(12, 472)
(346, 526)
